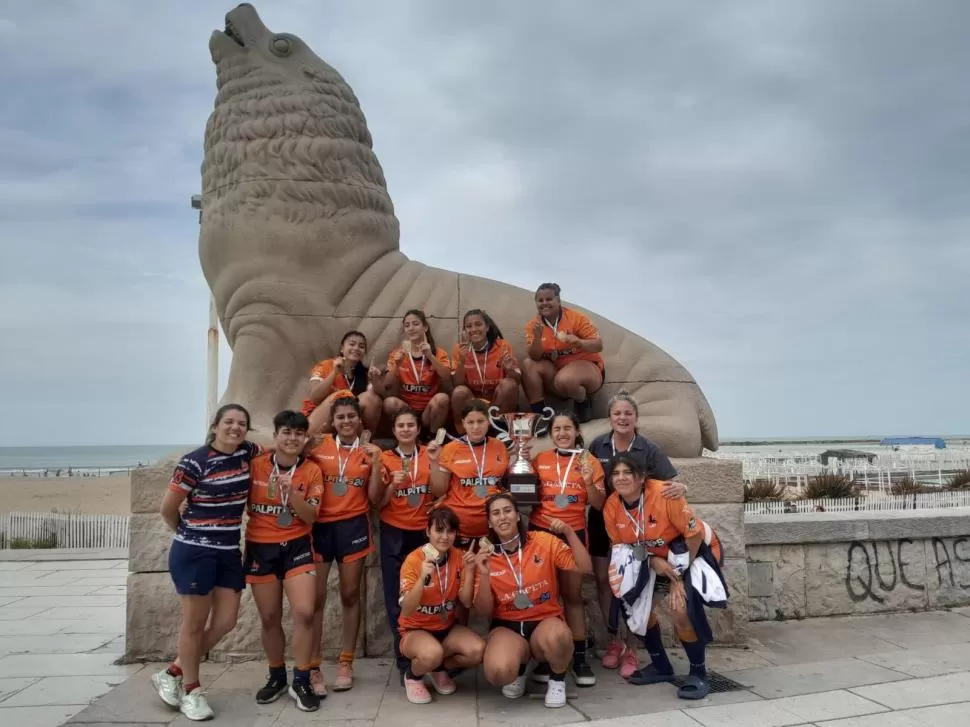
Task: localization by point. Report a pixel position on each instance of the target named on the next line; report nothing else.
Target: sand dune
(94, 495)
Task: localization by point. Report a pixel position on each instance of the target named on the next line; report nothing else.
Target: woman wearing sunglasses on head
(484, 367)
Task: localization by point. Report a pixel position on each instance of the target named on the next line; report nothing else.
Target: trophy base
(524, 488)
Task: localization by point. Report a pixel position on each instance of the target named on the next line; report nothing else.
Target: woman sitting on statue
(418, 376)
(683, 557)
(344, 375)
(484, 367)
(433, 580)
(564, 356)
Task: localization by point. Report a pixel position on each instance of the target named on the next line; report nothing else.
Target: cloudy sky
(774, 193)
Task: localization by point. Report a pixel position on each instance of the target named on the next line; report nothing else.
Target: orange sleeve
(609, 518)
(446, 460)
(392, 355)
(314, 492)
(562, 555)
(442, 356)
(410, 572)
(455, 358)
(529, 327)
(682, 517)
(506, 350)
(584, 327)
(322, 370)
(386, 463)
(599, 475)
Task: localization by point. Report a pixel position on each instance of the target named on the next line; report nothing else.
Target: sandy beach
(93, 495)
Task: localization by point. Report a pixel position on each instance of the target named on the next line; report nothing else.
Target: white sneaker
(194, 706)
(516, 689)
(556, 693)
(169, 688)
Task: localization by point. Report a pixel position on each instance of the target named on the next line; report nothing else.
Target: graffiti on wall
(875, 569)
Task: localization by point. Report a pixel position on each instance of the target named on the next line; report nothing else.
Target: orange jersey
(483, 371)
(265, 503)
(340, 382)
(660, 521)
(464, 463)
(356, 466)
(551, 488)
(436, 610)
(409, 503)
(417, 379)
(555, 350)
(542, 557)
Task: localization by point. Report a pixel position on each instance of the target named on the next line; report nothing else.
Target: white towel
(706, 582)
(624, 572)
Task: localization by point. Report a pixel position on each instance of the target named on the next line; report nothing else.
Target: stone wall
(817, 564)
(715, 489)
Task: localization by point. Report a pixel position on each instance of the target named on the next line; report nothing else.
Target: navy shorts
(581, 534)
(343, 541)
(269, 562)
(599, 542)
(522, 628)
(196, 570)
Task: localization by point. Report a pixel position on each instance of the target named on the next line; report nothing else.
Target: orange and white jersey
(562, 489)
(417, 379)
(483, 369)
(477, 473)
(560, 353)
(408, 506)
(346, 473)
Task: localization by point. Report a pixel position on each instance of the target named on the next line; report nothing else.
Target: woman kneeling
(433, 578)
(518, 587)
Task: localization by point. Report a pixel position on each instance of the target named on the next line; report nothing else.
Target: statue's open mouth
(231, 32)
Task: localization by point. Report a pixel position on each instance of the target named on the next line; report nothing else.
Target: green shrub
(763, 490)
(829, 487)
(32, 543)
(908, 486)
(959, 481)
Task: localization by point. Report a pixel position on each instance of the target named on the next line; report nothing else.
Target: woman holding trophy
(517, 587)
(418, 375)
(468, 471)
(484, 367)
(403, 498)
(343, 375)
(564, 355)
(342, 532)
(569, 480)
(433, 580)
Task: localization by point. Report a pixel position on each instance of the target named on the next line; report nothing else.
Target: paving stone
(915, 692)
(52, 691)
(954, 714)
(38, 716)
(46, 602)
(12, 685)
(818, 676)
(19, 612)
(52, 644)
(927, 662)
(44, 665)
(785, 712)
(658, 719)
(788, 642)
(915, 630)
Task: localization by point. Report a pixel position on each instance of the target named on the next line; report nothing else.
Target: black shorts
(581, 534)
(522, 628)
(599, 542)
(343, 541)
(196, 570)
(268, 562)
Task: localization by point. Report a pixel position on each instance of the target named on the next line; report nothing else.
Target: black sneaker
(584, 410)
(305, 698)
(541, 673)
(583, 675)
(272, 691)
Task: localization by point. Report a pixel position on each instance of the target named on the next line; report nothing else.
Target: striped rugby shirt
(217, 487)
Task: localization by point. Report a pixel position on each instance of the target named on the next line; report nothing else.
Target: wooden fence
(62, 530)
(918, 501)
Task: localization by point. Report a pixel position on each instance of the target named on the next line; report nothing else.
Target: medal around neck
(414, 500)
(640, 552)
(284, 519)
(522, 600)
(340, 487)
(562, 501)
(523, 480)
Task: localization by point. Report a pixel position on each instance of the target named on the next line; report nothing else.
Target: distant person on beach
(622, 437)
(284, 498)
(205, 563)
(344, 375)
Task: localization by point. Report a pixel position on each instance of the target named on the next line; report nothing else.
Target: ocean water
(15, 459)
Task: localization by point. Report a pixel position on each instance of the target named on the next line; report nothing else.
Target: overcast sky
(774, 193)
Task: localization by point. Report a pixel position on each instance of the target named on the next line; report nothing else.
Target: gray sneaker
(195, 707)
(169, 688)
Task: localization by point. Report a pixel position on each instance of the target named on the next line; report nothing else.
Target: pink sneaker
(317, 684)
(442, 683)
(345, 677)
(611, 659)
(628, 663)
(416, 692)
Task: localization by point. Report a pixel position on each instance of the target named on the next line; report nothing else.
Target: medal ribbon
(479, 468)
(342, 464)
(409, 463)
(555, 332)
(563, 481)
(517, 575)
(284, 493)
(483, 368)
(639, 526)
(443, 585)
(417, 376)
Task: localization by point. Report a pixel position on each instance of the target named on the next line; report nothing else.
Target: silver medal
(640, 552)
(522, 600)
(444, 615)
(340, 487)
(284, 519)
(562, 501)
(414, 500)
(554, 355)
(481, 491)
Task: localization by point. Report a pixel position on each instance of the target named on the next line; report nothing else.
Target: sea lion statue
(299, 243)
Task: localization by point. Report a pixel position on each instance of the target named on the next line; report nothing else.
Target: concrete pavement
(62, 625)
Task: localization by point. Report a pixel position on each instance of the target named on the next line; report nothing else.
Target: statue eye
(281, 46)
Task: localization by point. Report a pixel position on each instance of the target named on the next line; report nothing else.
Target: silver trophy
(523, 481)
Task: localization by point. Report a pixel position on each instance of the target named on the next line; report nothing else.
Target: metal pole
(212, 344)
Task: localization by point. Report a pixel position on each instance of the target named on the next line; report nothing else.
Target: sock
(277, 672)
(315, 664)
(538, 406)
(346, 657)
(301, 675)
(653, 643)
(555, 676)
(695, 653)
(579, 651)
(522, 669)
(174, 670)
(191, 687)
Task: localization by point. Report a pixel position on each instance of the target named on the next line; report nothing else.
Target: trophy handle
(493, 411)
(548, 414)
